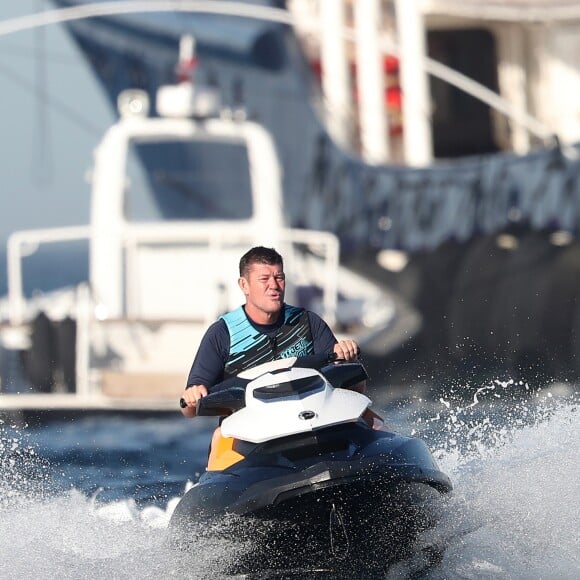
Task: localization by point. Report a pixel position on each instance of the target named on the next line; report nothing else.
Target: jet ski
(302, 476)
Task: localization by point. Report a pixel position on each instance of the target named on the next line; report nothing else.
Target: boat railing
(216, 241)
(24, 243)
(323, 246)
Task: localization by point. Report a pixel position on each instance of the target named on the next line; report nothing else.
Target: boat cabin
(163, 251)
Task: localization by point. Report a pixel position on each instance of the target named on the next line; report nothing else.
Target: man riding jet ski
(263, 329)
(300, 472)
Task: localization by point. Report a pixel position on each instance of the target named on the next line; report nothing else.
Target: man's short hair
(259, 255)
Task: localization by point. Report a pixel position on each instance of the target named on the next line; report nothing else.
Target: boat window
(194, 180)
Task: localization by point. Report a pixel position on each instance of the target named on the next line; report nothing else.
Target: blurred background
(435, 141)
(415, 161)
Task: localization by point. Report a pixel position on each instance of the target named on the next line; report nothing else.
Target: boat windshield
(193, 180)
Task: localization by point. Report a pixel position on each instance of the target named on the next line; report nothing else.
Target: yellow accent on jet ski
(222, 454)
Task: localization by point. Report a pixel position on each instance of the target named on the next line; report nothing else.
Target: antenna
(187, 62)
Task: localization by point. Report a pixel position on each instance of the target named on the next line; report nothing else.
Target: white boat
(125, 339)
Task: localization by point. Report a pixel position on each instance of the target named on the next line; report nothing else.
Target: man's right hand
(191, 396)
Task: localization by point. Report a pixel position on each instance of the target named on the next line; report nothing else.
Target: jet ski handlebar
(229, 395)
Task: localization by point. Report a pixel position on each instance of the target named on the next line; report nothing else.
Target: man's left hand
(347, 350)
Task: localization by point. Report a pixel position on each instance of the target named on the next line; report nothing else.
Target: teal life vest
(250, 347)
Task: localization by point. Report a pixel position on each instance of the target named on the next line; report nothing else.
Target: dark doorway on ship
(462, 125)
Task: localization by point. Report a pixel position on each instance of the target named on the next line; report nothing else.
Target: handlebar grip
(333, 357)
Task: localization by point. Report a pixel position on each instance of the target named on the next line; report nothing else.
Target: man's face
(264, 288)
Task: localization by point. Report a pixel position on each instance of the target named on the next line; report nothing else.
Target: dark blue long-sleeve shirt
(208, 366)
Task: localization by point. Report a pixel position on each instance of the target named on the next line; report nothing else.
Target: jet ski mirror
(226, 397)
(345, 375)
(318, 361)
(314, 361)
(222, 403)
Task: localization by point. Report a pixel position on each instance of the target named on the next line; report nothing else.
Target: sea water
(92, 498)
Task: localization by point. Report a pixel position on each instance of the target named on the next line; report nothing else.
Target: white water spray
(513, 513)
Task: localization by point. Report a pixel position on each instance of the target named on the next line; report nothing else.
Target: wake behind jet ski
(301, 474)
